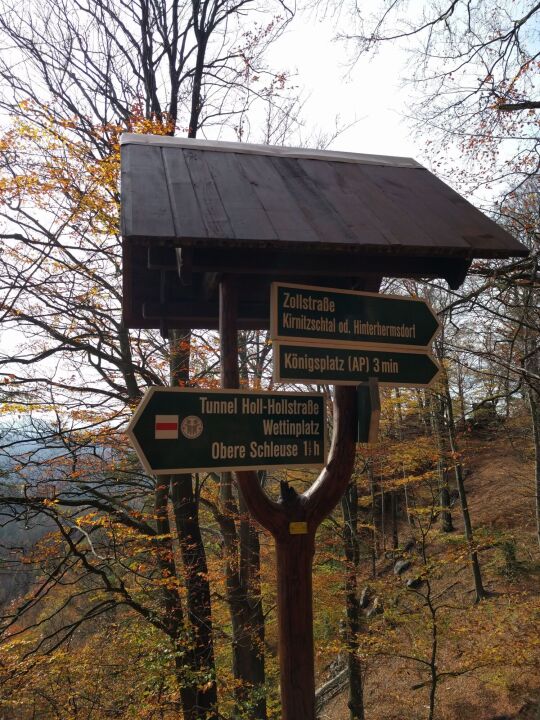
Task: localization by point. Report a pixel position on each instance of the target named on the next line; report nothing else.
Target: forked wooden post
(294, 552)
(349, 219)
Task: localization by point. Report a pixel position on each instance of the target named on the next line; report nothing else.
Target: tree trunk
(250, 575)
(394, 514)
(531, 301)
(349, 506)
(406, 498)
(371, 481)
(422, 411)
(399, 406)
(475, 564)
(383, 517)
(437, 414)
(534, 403)
(245, 607)
(199, 611)
(242, 548)
(433, 670)
(186, 515)
(461, 394)
(173, 604)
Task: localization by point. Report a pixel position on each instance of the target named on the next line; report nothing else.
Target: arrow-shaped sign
(177, 430)
(352, 365)
(302, 313)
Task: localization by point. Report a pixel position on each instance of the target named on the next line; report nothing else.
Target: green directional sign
(350, 366)
(176, 430)
(302, 313)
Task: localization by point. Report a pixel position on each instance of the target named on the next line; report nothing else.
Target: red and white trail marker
(166, 427)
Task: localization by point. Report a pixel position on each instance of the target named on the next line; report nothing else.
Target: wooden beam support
(210, 285)
(267, 261)
(160, 257)
(293, 522)
(204, 315)
(192, 302)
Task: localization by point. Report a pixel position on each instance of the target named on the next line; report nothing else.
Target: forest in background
(123, 596)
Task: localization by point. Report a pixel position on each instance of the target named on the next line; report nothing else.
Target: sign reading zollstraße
(303, 313)
(177, 430)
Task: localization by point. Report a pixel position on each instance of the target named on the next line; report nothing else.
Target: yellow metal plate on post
(298, 528)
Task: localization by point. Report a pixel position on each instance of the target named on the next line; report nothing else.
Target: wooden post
(294, 557)
(293, 522)
(228, 333)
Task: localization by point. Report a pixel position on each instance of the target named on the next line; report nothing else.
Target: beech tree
(510, 294)
(75, 75)
(472, 76)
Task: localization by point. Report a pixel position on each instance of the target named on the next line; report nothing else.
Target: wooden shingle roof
(262, 210)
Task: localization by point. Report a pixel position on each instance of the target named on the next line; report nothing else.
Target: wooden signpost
(207, 228)
(293, 523)
(186, 430)
(369, 412)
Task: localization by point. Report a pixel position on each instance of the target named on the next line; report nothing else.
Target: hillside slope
(499, 472)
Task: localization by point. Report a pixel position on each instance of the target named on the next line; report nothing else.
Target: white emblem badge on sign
(191, 427)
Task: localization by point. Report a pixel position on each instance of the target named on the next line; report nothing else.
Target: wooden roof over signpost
(197, 209)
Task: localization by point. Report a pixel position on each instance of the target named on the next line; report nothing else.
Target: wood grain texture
(294, 559)
(392, 213)
(146, 210)
(247, 216)
(333, 182)
(194, 304)
(294, 553)
(186, 212)
(281, 208)
(275, 201)
(212, 210)
(327, 223)
(415, 205)
(485, 237)
(264, 510)
(262, 215)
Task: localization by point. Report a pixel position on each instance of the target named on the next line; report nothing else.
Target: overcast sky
(371, 92)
